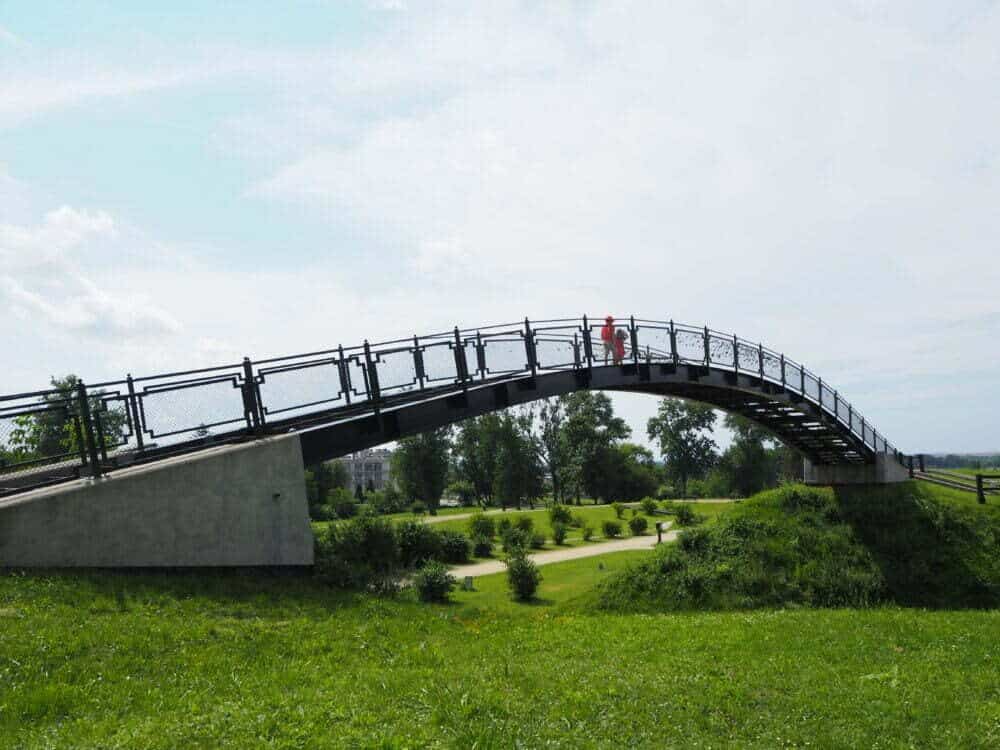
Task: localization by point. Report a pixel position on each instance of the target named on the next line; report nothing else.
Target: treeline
(566, 450)
(961, 461)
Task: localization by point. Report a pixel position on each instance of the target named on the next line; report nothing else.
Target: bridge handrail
(132, 417)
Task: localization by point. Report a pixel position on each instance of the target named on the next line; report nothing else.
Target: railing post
(480, 355)
(836, 408)
(345, 374)
(708, 353)
(980, 491)
(588, 345)
(850, 417)
(461, 364)
(864, 439)
(529, 347)
(673, 342)
(910, 462)
(251, 409)
(736, 354)
(802, 380)
(920, 457)
(418, 361)
(133, 403)
(83, 404)
(634, 338)
(576, 351)
(782, 370)
(371, 378)
(760, 358)
(819, 391)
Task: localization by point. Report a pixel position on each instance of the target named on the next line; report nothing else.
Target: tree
(679, 429)
(338, 474)
(420, 466)
(551, 444)
(475, 454)
(590, 428)
(518, 472)
(748, 463)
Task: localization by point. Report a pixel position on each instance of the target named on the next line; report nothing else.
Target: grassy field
(244, 660)
(251, 659)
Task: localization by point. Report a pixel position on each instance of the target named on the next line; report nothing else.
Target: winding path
(489, 567)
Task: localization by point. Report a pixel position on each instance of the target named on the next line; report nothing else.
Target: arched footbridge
(348, 398)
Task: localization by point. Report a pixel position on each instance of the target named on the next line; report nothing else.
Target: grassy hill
(911, 544)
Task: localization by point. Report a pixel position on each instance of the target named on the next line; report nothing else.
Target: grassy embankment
(252, 660)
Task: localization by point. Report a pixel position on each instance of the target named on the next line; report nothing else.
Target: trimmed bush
(648, 505)
(503, 526)
(482, 546)
(525, 524)
(588, 532)
(560, 514)
(612, 529)
(522, 575)
(455, 547)
(559, 531)
(638, 525)
(514, 538)
(619, 509)
(362, 553)
(481, 525)
(537, 540)
(418, 543)
(433, 582)
(686, 516)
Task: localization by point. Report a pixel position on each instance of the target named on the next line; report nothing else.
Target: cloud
(42, 281)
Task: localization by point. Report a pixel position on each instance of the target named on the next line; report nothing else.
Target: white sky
(821, 177)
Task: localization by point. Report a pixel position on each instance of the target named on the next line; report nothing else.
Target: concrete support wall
(242, 505)
(885, 470)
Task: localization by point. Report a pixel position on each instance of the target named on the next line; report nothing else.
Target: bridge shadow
(931, 554)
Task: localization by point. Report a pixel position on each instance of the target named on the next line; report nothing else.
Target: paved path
(460, 516)
(489, 567)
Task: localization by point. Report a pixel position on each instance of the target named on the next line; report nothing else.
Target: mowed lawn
(250, 660)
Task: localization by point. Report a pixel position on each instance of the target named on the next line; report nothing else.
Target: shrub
(503, 526)
(345, 509)
(522, 575)
(686, 516)
(588, 532)
(418, 543)
(362, 553)
(619, 509)
(525, 524)
(514, 538)
(638, 525)
(666, 492)
(454, 547)
(323, 512)
(560, 514)
(482, 546)
(696, 488)
(418, 508)
(434, 582)
(481, 525)
(559, 530)
(537, 540)
(648, 506)
(612, 529)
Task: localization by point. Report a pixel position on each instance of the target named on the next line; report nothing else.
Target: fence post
(371, 378)
(673, 342)
(88, 429)
(588, 345)
(529, 348)
(634, 338)
(133, 403)
(980, 492)
(251, 409)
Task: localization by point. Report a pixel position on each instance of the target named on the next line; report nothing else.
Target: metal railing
(58, 434)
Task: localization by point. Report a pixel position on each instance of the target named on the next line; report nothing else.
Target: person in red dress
(619, 346)
(608, 338)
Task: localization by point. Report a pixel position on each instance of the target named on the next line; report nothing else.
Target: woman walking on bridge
(608, 338)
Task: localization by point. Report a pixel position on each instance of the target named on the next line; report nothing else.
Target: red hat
(609, 319)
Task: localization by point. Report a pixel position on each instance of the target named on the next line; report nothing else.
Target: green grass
(250, 659)
(243, 660)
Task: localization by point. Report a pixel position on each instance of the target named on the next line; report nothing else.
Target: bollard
(467, 584)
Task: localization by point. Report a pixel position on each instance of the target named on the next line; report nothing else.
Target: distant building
(368, 468)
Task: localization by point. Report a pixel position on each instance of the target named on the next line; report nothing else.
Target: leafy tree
(748, 462)
(338, 476)
(590, 428)
(552, 446)
(420, 466)
(679, 428)
(475, 454)
(518, 473)
(463, 491)
(628, 472)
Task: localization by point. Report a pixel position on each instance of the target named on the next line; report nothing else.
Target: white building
(368, 468)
